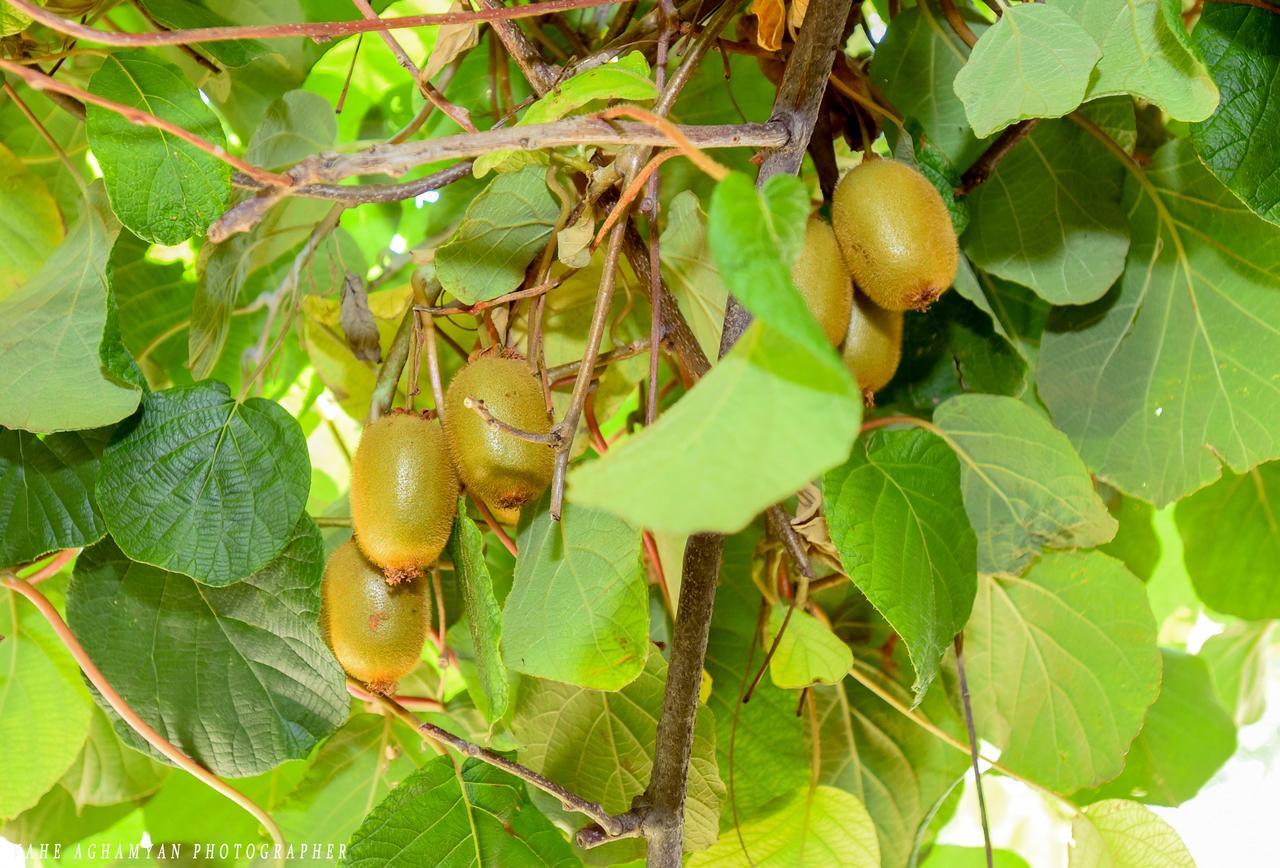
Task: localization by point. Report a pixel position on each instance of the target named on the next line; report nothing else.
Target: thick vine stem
(796, 107)
(982, 168)
(122, 708)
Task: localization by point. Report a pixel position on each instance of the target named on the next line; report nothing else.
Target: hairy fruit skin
(873, 345)
(820, 274)
(404, 493)
(895, 233)
(500, 468)
(375, 630)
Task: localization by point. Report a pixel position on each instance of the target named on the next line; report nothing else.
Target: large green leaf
(897, 518)
(236, 677)
(766, 420)
(600, 745)
(484, 616)
(583, 570)
(1144, 55)
(51, 335)
(1041, 59)
(447, 815)
(188, 14)
(1120, 834)
(203, 485)
(1062, 666)
(1237, 658)
(353, 770)
(897, 769)
(808, 652)
(1242, 49)
(1025, 489)
(916, 65)
(504, 228)
(1049, 217)
(1185, 739)
(107, 771)
(57, 820)
(164, 189)
(295, 126)
(690, 272)
(46, 493)
(1231, 542)
(30, 223)
(812, 826)
(1177, 370)
(154, 298)
(760, 744)
(44, 706)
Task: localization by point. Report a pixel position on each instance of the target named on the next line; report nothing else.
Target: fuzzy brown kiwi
(375, 630)
(503, 470)
(873, 345)
(819, 273)
(895, 233)
(404, 493)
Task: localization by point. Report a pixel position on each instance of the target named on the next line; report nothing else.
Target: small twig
(569, 800)
(47, 136)
(433, 362)
(487, 514)
(973, 744)
(421, 703)
(568, 426)
(958, 23)
(471, 402)
(673, 132)
(982, 168)
(569, 369)
(321, 31)
(52, 568)
(480, 306)
(131, 717)
(39, 81)
(332, 520)
(541, 75)
(768, 656)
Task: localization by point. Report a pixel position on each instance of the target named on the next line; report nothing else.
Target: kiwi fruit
(895, 233)
(873, 345)
(820, 275)
(375, 630)
(502, 469)
(404, 493)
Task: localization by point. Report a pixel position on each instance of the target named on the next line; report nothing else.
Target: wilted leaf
(357, 322)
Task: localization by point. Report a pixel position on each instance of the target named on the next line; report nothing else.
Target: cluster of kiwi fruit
(406, 476)
(891, 233)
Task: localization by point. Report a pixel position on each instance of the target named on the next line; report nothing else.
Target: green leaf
(203, 485)
(236, 677)
(1177, 370)
(600, 745)
(187, 810)
(755, 236)
(1062, 667)
(818, 826)
(1242, 49)
(154, 298)
(188, 14)
(623, 78)
(1136, 541)
(951, 856)
(1041, 60)
(1025, 489)
(1120, 834)
(768, 418)
(504, 228)
(808, 653)
(583, 570)
(46, 493)
(1049, 218)
(760, 744)
(30, 222)
(690, 273)
(472, 814)
(44, 706)
(51, 332)
(295, 126)
(355, 769)
(916, 65)
(1144, 55)
(107, 771)
(164, 189)
(896, 517)
(898, 770)
(1237, 659)
(1231, 542)
(1186, 738)
(57, 820)
(484, 616)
